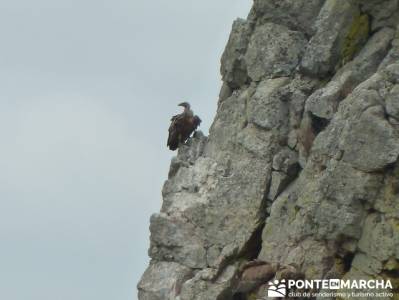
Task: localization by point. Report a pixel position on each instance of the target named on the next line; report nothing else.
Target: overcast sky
(87, 88)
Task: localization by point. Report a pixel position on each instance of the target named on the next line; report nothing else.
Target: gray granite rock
(300, 168)
(163, 281)
(286, 161)
(370, 144)
(326, 48)
(367, 264)
(233, 67)
(324, 102)
(298, 15)
(286, 168)
(265, 108)
(383, 13)
(377, 238)
(173, 239)
(273, 51)
(393, 54)
(200, 287)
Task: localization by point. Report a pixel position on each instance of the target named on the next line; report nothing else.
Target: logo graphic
(277, 289)
(316, 288)
(334, 284)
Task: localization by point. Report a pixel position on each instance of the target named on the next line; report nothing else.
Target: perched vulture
(182, 126)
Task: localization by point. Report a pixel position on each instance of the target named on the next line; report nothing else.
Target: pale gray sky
(87, 89)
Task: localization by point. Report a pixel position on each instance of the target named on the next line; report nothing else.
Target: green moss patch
(356, 37)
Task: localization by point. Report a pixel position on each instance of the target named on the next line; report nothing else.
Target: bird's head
(186, 105)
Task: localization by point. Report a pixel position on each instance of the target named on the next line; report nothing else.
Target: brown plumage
(182, 126)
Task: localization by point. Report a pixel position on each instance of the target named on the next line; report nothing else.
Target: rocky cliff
(299, 173)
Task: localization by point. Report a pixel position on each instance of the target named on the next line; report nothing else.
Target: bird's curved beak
(182, 104)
